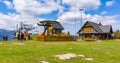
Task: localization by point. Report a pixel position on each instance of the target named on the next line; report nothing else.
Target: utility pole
(75, 26)
(81, 20)
(17, 27)
(75, 36)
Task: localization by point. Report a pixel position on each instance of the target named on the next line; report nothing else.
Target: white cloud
(27, 9)
(34, 7)
(69, 17)
(103, 13)
(11, 20)
(87, 4)
(8, 3)
(110, 3)
(72, 16)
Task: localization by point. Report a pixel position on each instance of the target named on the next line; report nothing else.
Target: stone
(80, 55)
(44, 62)
(99, 41)
(66, 56)
(88, 59)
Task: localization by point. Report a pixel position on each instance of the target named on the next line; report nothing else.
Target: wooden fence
(55, 38)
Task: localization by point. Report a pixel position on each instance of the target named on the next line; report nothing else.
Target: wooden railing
(40, 37)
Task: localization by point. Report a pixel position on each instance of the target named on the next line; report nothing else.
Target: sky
(67, 12)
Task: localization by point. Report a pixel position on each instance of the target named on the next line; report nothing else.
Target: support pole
(107, 36)
(81, 22)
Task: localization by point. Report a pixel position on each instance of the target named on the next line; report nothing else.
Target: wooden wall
(88, 29)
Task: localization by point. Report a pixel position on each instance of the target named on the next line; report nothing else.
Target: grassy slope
(35, 51)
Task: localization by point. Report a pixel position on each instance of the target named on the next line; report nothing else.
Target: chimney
(100, 24)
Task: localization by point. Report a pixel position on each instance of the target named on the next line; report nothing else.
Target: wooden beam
(107, 36)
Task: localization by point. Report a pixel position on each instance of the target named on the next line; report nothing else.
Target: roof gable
(88, 23)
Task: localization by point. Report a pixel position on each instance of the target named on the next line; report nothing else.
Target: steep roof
(106, 28)
(96, 26)
(99, 27)
(54, 24)
(57, 26)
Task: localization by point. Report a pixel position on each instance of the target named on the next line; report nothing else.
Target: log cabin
(95, 31)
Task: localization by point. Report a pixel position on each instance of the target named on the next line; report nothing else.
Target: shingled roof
(99, 28)
(96, 26)
(57, 26)
(54, 24)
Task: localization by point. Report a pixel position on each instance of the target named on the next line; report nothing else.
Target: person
(22, 36)
(26, 34)
(18, 35)
(5, 37)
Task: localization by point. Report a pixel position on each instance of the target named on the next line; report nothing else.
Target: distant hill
(6, 32)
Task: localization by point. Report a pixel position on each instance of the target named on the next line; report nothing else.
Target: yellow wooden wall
(88, 29)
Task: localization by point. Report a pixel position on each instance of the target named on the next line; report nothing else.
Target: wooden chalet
(94, 31)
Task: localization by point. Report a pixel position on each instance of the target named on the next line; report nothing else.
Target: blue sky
(66, 12)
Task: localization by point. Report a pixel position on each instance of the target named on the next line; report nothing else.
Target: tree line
(117, 34)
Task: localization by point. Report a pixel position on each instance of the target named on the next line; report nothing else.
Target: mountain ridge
(9, 33)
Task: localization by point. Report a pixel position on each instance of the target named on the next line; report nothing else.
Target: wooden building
(94, 31)
(51, 27)
(53, 32)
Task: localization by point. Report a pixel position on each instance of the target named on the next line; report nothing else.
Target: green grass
(33, 37)
(107, 51)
